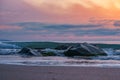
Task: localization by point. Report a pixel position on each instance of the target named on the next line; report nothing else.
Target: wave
(8, 49)
(57, 61)
(111, 51)
(8, 46)
(111, 54)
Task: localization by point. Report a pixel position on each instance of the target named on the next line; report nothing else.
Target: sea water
(57, 61)
(112, 60)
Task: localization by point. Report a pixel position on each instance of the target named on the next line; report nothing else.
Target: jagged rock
(29, 51)
(84, 49)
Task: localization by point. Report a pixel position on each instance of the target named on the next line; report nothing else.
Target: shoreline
(57, 61)
(19, 72)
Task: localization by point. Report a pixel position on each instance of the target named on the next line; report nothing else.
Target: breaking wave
(6, 48)
(58, 61)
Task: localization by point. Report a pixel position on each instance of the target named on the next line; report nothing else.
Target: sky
(60, 20)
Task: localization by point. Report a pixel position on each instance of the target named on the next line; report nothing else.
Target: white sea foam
(57, 61)
(8, 46)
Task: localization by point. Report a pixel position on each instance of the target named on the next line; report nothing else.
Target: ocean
(58, 61)
(8, 56)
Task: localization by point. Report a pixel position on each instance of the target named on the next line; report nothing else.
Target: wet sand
(14, 72)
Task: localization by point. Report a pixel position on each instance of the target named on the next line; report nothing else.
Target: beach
(19, 72)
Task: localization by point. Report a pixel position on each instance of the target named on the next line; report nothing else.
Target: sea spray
(109, 51)
(6, 48)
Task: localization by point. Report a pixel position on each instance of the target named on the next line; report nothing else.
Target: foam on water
(112, 60)
(57, 61)
(8, 46)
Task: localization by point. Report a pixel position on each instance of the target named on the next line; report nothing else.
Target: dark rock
(29, 52)
(84, 49)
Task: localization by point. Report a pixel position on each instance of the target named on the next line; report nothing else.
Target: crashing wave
(111, 51)
(6, 49)
(8, 46)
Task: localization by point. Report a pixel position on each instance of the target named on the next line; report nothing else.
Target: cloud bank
(42, 31)
(60, 20)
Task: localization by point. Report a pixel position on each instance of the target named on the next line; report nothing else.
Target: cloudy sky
(60, 20)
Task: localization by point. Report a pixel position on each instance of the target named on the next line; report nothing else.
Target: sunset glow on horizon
(59, 20)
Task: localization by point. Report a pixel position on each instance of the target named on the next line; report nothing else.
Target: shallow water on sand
(57, 61)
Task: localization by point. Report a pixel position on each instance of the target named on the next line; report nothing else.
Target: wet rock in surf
(84, 49)
(29, 52)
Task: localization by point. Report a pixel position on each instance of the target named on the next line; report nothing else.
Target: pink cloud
(5, 27)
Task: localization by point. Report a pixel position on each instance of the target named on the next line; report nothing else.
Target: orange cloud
(77, 11)
(86, 3)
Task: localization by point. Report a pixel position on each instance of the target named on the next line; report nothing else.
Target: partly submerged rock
(84, 49)
(29, 52)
